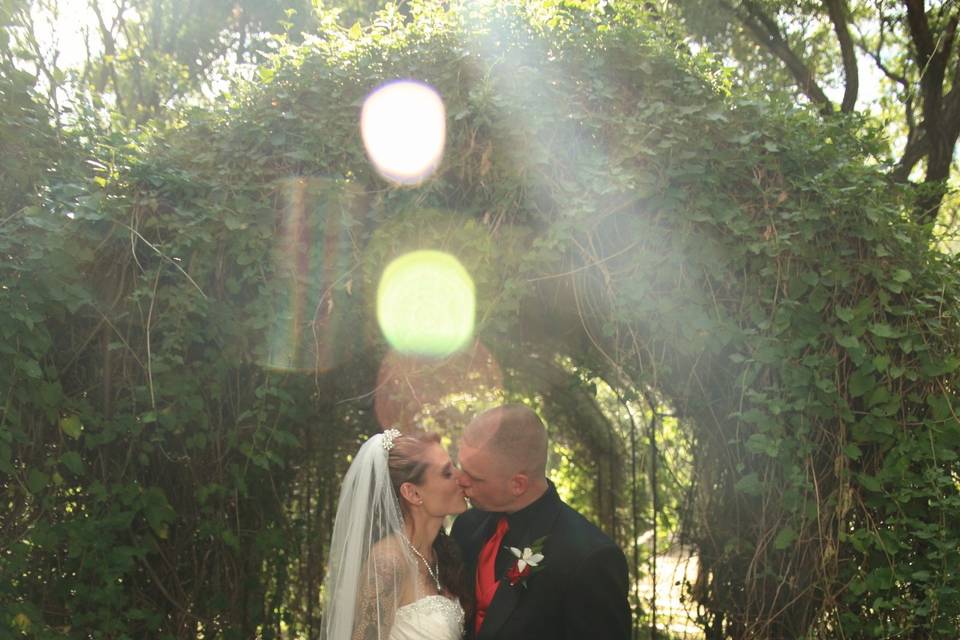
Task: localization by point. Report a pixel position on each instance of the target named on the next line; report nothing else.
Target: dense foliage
(189, 322)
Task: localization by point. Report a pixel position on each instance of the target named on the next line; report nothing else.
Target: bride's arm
(380, 593)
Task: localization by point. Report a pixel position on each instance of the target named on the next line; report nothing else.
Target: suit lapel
(506, 599)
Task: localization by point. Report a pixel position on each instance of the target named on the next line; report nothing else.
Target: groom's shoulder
(579, 532)
(471, 516)
(467, 521)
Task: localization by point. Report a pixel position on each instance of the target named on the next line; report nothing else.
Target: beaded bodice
(430, 618)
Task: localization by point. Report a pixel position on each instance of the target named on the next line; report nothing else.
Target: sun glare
(403, 126)
(425, 304)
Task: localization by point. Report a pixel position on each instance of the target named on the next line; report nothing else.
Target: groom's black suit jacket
(581, 591)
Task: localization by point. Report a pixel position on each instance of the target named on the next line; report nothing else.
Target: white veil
(368, 561)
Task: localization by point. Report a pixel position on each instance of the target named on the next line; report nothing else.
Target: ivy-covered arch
(618, 209)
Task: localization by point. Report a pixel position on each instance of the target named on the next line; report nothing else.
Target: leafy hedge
(188, 317)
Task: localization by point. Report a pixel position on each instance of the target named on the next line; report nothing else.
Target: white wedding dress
(430, 618)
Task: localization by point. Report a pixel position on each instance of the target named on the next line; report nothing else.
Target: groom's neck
(533, 493)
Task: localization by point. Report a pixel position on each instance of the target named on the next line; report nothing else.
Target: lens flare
(308, 328)
(412, 387)
(403, 126)
(426, 304)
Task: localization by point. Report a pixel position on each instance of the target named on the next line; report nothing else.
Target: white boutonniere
(528, 561)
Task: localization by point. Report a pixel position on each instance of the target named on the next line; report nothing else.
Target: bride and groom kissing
(519, 564)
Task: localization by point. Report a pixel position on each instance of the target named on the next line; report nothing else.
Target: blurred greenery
(741, 340)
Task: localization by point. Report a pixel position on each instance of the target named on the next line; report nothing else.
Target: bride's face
(441, 494)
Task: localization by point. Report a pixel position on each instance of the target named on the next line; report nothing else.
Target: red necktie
(486, 581)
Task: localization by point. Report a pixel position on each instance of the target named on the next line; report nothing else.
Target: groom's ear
(410, 493)
(519, 483)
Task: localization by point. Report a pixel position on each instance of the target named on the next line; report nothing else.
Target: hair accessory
(388, 437)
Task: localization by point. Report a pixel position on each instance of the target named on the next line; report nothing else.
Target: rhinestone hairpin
(388, 437)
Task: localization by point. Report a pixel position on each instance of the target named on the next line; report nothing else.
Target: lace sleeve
(380, 592)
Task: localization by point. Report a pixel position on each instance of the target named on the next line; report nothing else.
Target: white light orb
(403, 126)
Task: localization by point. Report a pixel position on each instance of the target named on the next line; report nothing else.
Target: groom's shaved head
(514, 435)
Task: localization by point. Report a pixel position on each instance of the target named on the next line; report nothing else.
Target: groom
(571, 579)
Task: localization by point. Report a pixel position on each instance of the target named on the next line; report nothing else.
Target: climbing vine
(189, 326)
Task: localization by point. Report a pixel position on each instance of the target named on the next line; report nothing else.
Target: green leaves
(158, 512)
(356, 31)
(883, 330)
(762, 443)
(901, 275)
(844, 314)
(71, 426)
(870, 483)
(733, 258)
(73, 462)
(785, 537)
(37, 481)
(852, 451)
(935, 369)
(29, 367)
(862, 381)
(750, 485)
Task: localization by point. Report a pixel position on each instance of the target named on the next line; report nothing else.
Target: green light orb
(426, 304)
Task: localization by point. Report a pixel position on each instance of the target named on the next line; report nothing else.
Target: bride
(393, 572)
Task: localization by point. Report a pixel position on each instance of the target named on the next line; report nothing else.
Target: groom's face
(482, 479)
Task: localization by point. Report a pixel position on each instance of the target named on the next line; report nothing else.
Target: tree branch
(951, 102)
(766, 32)
(932, 56)
(919, 31)
(837, 10)
(887, 71)
(900, 79)
(909, 95)
(109, 46)
(43, 67)
(930, 61)
(915, 151)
